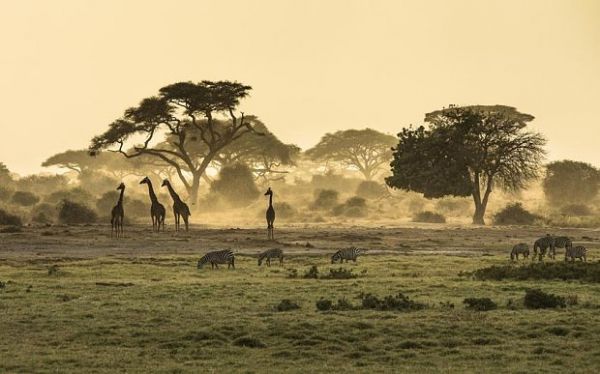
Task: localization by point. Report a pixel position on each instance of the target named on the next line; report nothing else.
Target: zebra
(269, 254)
(576, 252)
(521, 248)
(543, 243)
(218, 257)
(346, 254)
(561, 242)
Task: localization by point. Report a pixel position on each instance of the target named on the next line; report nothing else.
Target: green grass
(160, 313)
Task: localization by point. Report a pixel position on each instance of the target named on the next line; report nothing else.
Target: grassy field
(140, 304)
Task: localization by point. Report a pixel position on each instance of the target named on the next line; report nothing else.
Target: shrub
(249, 342)
(325, 199)
(78, 195)
(353, 207)
(324, 304)
(588, 272)
(236, 185)
(334, 181)
(396, 302)
(286, 305)
(537, 299)
(370, 190)
(340, 273)
(9, 219)
(73, 213)
(5, 193)
(136, 208)
(25, 198)
(429, 217)
(457, 206)
(312, 273)
(480, 304)
(44, 213)
(578, 210)
(343, 304)
(515, 214)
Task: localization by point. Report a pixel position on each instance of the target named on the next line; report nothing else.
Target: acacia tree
(366, 150)
(571, 182)
(468, 151)
(179, 109)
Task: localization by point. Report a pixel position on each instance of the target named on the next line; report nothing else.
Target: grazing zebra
(576, 252)
(519, 249)
(218, 257)
(346, 254)
(269, 254)
(546, 242)
(561, 242)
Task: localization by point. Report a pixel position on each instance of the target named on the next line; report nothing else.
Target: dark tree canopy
(366, 150)
(468, 151)
(179, 110)
(571, 182)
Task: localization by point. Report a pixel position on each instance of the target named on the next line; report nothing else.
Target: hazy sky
(68, 68)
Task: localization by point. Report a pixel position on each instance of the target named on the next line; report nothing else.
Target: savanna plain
(74, 300)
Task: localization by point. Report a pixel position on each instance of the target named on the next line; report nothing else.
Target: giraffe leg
(185, 220)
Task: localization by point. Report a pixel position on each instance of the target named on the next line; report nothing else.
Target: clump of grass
(286, 305)
(587, 272)
(480, 304)
(558, 330)
(53, 270)
(2, 285)
(342, 304)
(429, 217)
(249, 342)
(399, 302)
(324, 304)
(538, 299)
(292, 273)
(312, 273)
(340, 273)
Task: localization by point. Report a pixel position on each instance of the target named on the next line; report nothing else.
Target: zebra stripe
(576, 252)
(218, 257)
(519, 249)
(269, 254)
(346, 254)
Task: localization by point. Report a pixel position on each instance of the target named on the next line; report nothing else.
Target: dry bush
(429, 217)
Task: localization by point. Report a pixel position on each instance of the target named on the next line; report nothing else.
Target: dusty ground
(139, 304)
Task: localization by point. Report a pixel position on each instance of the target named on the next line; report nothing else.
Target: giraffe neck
(151, 193)
(173, 193)
(121, 196)
(271, 200)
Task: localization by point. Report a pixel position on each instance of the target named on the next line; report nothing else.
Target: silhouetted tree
(571, 182)
(236, 185)
(467, 151)
(5, 177)
(366, 150)
(178, 109)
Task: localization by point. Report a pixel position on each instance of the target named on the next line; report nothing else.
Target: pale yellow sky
(68, 68)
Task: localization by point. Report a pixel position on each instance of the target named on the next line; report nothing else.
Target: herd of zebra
(226, 256)
(550, 243)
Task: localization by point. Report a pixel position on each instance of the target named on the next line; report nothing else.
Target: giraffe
(180, 209)
(157, 210)
(118, 214)
(270, 215)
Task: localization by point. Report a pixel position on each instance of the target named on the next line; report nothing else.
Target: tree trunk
(479, 207)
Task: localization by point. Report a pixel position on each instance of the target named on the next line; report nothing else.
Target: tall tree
(468, 151)
(176, 111)
(571, 182)
(365, 150)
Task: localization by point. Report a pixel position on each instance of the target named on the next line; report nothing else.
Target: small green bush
(325, 199)
(429, 217)
(312, 273)
(249, 342)
(74, 213)
(9, 219)
(370, 190)
(515, 214)
(25, 198)
(393, 302)
(340, 273)
(324, 304)
(480, 304)
(585, 272)
(286, 305)
(538, 299)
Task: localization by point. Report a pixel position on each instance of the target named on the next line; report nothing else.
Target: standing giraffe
(180, 209)
(270, 215)
(118, 214)
(157, 210)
